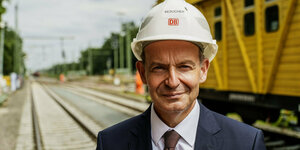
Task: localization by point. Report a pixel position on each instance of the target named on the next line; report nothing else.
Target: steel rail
(36, 128)
(38, 138)
(115, 102)
(89, 132)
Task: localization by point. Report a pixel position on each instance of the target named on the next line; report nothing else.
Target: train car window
(218, 12)
(218, 31)
(249, 3)
(272, 19)
(249, 24)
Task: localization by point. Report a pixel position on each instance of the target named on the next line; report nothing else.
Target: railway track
(119, 103)
(280, 142)
(275, 141)
(56, 125)
(277, 138)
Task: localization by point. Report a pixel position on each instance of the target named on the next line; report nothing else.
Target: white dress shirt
(187, 129)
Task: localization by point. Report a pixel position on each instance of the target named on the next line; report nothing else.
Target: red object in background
(62, 78)
(139, 89)
(36, 74)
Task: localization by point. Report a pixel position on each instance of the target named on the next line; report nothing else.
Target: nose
(172, 80)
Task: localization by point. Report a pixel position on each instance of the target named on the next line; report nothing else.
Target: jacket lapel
(141, 133)
(206, 131)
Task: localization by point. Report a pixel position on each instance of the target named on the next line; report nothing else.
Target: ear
(141, 68)
(204, 69)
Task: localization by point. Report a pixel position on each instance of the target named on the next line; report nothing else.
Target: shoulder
(236, 133)
(233, 126)
(222, 122)
(123, 132)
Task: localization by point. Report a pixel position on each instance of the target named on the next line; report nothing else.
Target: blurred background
(60, 32)
(69, 64)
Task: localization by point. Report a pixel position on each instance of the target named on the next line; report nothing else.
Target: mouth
(176, 95)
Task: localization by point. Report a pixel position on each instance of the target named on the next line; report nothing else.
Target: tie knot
(171, 138)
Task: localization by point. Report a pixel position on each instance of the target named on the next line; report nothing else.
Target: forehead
(171, 50)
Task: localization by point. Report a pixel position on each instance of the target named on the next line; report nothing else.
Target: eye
(157, 68)
(185, 67)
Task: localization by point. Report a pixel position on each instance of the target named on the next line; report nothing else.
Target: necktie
(171, 138)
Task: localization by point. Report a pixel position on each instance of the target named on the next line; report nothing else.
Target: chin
(177, 107)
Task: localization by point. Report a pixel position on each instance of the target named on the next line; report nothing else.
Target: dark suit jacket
(215, 132)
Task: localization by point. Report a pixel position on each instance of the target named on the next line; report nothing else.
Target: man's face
(173, 72)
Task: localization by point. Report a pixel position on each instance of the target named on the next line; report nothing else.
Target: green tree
(103, 57)
(12, 52)
(2, 10)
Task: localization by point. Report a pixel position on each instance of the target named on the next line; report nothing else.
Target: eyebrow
(181, 63)
(157, 64)
(187, 62)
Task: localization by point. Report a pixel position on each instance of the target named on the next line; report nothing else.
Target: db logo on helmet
(173, 21)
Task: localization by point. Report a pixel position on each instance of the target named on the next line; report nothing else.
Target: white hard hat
(175, 20)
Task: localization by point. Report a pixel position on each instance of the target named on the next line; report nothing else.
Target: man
(174, 48)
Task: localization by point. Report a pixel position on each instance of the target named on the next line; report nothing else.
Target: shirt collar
(187, 128)
(158, 128)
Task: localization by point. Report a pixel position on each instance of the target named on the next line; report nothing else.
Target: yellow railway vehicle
(257, 69)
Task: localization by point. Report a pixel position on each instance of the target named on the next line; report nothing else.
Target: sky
(84, 23)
